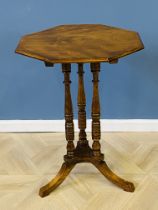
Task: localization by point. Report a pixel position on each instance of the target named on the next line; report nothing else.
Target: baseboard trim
(121, 125)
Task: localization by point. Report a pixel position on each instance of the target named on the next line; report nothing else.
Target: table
(81, 43)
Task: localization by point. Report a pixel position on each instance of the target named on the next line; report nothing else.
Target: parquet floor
(29, 160)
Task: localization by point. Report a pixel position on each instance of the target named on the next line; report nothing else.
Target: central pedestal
(83, 152)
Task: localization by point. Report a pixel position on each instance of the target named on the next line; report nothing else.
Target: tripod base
(85, 154)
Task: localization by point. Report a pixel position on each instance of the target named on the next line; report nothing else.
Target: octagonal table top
(80, 43)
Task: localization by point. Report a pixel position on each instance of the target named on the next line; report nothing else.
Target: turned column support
(82, 149)
(81, 99)
(69, 125)
(95, 68)
(82, 152)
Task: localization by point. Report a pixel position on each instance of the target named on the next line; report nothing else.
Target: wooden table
(84, 43)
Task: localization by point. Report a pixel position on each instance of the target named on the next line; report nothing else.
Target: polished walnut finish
(69, 125)
(83, 152)
(68, 44)
(81, 106)
(95, 68)
(80, 43)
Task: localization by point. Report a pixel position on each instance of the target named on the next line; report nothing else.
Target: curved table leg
(59, 178)
(106, 171)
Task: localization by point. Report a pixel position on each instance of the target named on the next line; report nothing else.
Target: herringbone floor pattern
(27, 161)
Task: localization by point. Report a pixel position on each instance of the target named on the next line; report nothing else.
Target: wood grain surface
(80, 43)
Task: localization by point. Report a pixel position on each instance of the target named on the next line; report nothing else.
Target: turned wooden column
(95, 68)
(81, 106)
(69, 125)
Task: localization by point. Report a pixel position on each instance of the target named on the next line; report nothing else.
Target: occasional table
(81, 43)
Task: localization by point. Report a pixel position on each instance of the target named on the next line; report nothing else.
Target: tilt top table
(83, 43)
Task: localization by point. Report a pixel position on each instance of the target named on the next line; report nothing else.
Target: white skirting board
(121, 125)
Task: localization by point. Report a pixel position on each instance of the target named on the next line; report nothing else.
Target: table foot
(106, 171)
(59, 178)
(100, 164)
